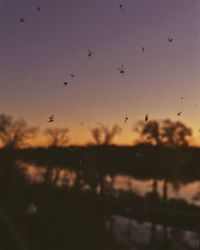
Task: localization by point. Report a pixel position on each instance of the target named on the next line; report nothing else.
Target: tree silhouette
(175, 133)
(58, 137)
(165, 132)
(149, 131)
(13, 134)
(104, 135)
(97, 135)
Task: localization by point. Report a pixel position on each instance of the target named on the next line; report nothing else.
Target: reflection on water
(38, 174)
(186, 191)
(80, 220)
(136, 235)
(67, 176)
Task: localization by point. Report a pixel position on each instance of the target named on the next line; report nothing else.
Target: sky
(37, 56)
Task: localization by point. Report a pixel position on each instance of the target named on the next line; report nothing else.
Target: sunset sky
(37, 56)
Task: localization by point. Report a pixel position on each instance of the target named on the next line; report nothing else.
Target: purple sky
(38, 55)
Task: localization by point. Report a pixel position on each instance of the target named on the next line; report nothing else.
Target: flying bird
(125, 119)
(38, 8)
(121, 69)
(146, 117)
(90, 53)
(72, 75)
(170, 40)
(142, 49)
(51, 118)
(121, 7)
(181, 98)
(65, 84)
(179, 113)
(22, 20)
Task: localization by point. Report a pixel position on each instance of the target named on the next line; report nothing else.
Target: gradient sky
(38, 55)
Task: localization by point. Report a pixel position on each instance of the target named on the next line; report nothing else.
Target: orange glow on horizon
(126, 138)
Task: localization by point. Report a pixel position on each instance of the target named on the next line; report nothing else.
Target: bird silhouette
(121, 7)
(72, 75)
(65, 84)
(121, 69)
(181, 98)
(146, 117)
(170, 40)
(142, 49)
(22, 20)
(51, 118)
(38, 8)
(90, 53)
(125, 119)
(179, 113)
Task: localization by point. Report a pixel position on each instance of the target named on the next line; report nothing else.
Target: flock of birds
(32, 208)
(121, 69)
(23, 20)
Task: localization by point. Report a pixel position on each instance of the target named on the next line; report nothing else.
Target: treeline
(17, 133)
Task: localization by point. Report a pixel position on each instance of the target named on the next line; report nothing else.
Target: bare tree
(109, 134)
(97, 135)
(14, 134)
(58, 137)
(104, 135)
